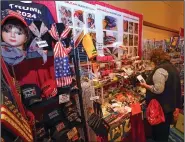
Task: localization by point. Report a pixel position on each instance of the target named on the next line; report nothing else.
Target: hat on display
(9, 14)
(55, 121)
(30, 94)
(53, 117)
(49, 89)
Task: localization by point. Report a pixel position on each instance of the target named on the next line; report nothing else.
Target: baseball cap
(52, 117)
(10, 14)
(30, 94)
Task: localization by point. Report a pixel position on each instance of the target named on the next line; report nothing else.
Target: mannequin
(14, 37)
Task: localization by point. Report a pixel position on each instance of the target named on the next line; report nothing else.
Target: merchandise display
(73, 71)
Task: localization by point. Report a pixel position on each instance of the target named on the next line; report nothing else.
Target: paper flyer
(109, 28)
(78, 15)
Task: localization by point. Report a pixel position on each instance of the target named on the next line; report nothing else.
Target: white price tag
(94, 98)
(63, 98)
(42, 44)
(72, 133)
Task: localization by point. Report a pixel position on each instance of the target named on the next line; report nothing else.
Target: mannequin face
(14, 35)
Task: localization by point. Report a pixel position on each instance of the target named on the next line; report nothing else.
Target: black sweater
(170, 98)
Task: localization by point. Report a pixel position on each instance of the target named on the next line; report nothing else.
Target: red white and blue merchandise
(30, 11)
(61, 60)
(38, 33)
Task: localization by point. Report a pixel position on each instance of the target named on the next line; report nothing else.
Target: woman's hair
(158, 55)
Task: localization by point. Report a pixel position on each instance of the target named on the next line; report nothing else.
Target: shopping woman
(163, 84)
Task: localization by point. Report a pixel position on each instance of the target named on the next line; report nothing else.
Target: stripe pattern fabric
(61, 60)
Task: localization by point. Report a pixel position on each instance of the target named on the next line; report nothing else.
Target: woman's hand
(144, 85)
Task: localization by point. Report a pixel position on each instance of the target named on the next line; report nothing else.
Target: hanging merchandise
(159, 44)
(174, 41)
(167, 44)
(61, 51)
(89, 46)
(30, 11)
(41, 38)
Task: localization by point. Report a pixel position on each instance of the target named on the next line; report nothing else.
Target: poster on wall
(130, 33)
(78, 15)
(109, 28)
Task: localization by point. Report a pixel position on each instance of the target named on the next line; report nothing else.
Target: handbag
(154, 113)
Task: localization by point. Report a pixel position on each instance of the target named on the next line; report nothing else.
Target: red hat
(49, 89)
(6, 14)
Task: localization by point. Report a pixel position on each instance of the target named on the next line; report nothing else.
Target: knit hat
(30, 94)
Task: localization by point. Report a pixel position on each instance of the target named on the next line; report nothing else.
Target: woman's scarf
(33, 46)
(12, 55)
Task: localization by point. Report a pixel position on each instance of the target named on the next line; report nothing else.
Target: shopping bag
(154, 113)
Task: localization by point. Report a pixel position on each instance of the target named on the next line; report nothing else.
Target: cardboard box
(180, 123)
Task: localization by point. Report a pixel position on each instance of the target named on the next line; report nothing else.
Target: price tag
(63, 98)
(42, 44)
(72, 133)
(94, 98)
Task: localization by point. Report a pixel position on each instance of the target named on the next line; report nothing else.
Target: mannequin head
(14, 33)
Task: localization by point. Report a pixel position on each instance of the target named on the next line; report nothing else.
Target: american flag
(61, 60)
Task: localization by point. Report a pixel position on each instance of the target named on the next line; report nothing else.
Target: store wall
(164, 13)
(152, 33)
